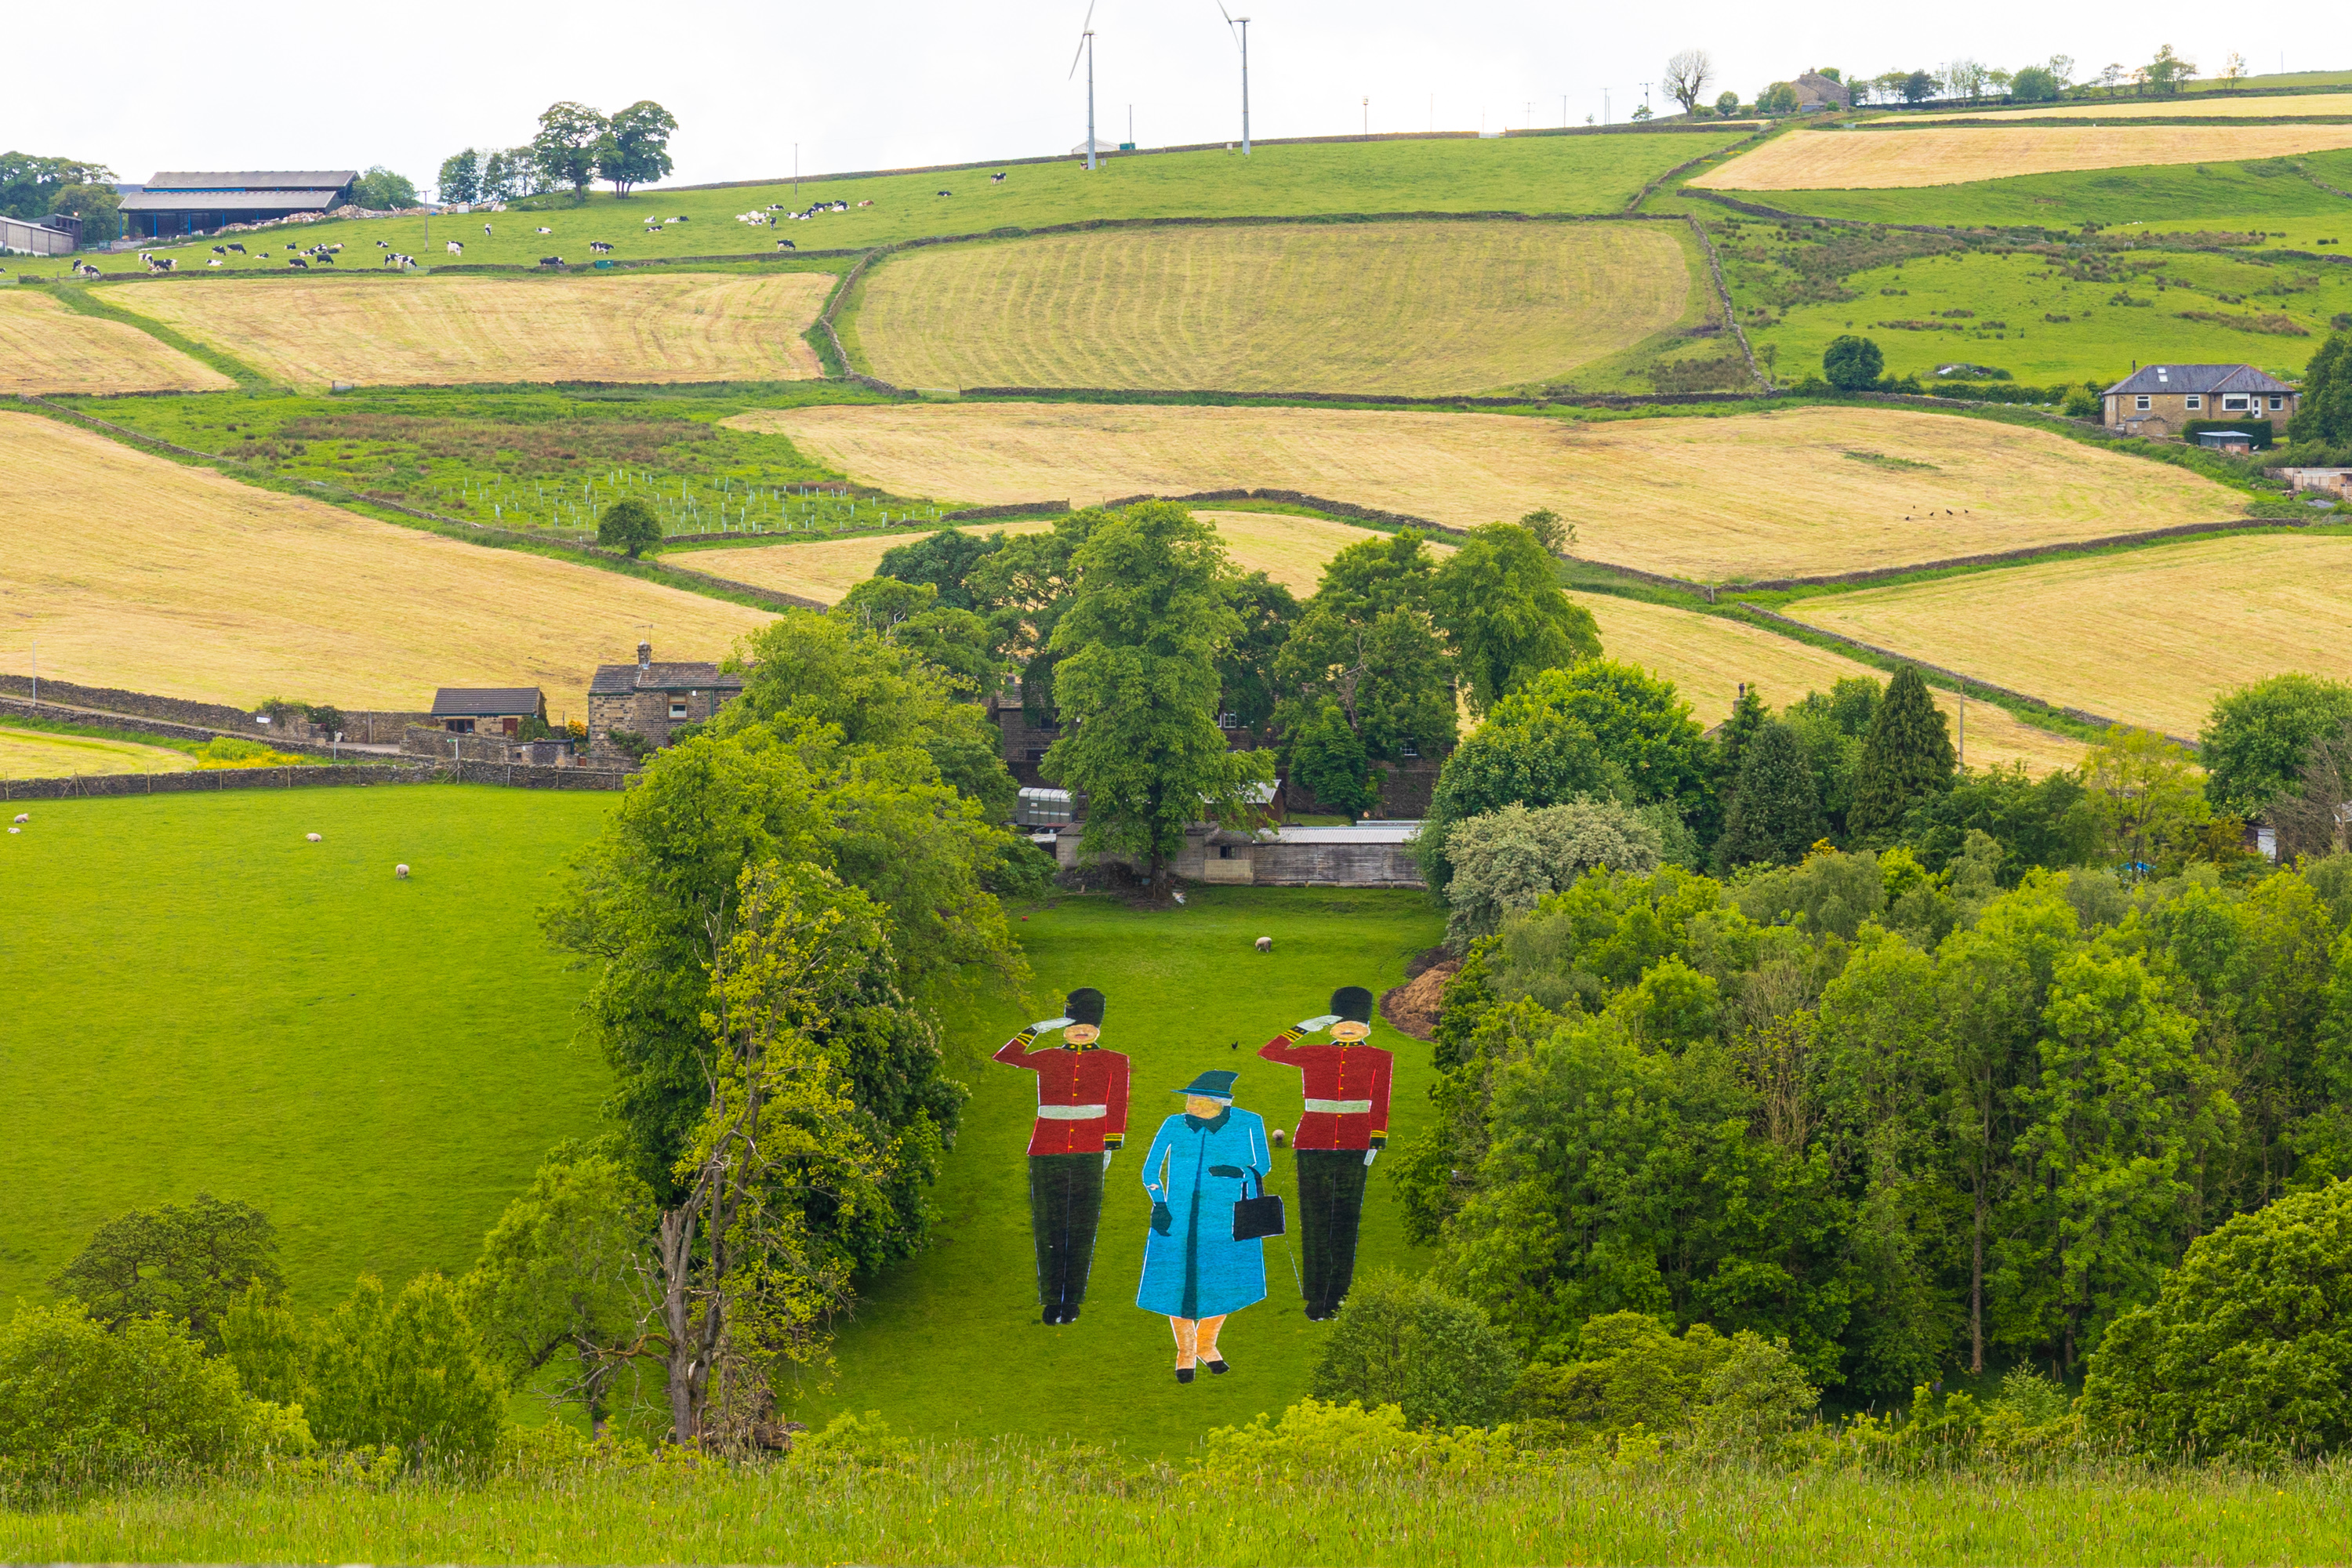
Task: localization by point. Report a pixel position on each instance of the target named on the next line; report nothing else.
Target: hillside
(44, 347)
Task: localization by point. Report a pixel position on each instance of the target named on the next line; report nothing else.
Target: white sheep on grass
(24, 817)
(311, 836)
(401, 872)
(1266, 945)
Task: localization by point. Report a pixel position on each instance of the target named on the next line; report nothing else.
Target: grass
(1578, 174)
(1740, 496)
(2233, 191)
(675, 326)
(2298, 106)
(1709, 657)
(2152, 635)
(377, 1064)
(2047, 320)
(1948, 155)
(131, 571)
(44, 347)
(1016, 1503)
(951, 1343)
(1423, 308)
(48, 754)
(822, 568)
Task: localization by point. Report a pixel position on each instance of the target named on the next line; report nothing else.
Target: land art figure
(1345, 1128)
(1081, 1122)
(1201, 1166)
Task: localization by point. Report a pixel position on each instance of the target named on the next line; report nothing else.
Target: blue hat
(1213, 1086)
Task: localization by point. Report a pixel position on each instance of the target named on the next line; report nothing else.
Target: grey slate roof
(255, 180)
(486, 701)
(621, 680)
(229, 201)
(2174, 379)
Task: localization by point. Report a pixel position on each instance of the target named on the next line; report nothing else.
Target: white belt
(1339, 1108)
(1087, 1112)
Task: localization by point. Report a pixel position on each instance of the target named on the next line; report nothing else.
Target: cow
(219, 251)
(455, 247)
(297, 261)
(238, 249)
(158, 264)
(326, 260)
(550, 261)
(786, 245)
(544, 231)
(997, 178)
(383, 245)
(486, 228)
(943, 193)
(602, 247)
(216, 261)
(867, 203)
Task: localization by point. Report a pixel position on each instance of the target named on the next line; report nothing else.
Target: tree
(405, 1372)
(1502, 610)
(1687, 76)
(1246, 680)
(564, 152)
(2164, 74)
(1639, 724)
(1408, 1341)
(955, 642)
(1918, 86)
(1022, 586)
(1780, 98)
(2048, 821)
(2257, 738)
(1851, 364)
(2246, 1352)
(1138, 689)
(1727, 104)
(381, 190)
(509, 173)
(944, 560)
(1906, 758)
(188, 1263)
(2325, 414)
(1533, 749)
(29, 184)
(1775, 815)
(1327, 760)
(2034, 84)
(629, 525)
(1510, 860)
(99, 208)
(634, 148)
(1553, 531)
(2311, 819)
(2151, 808)
(461, 176)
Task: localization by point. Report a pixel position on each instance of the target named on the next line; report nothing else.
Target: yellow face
(1202, 1106)
(1082, 1034)
(1347, 1031)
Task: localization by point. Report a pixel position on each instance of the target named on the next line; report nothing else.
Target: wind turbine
(1241, 24)
(1087, 47)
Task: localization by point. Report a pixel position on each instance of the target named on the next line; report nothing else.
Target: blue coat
(1198, 1270)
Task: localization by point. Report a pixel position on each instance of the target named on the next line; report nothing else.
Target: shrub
(1313, 1436)
(1632, 1372)
(79, 1403)
(381, 190)
(1509, 859)
(2034, 84)
(1408, 1342)
(1780, 98)
(1851, 364)
(227, 752)
(2247, 1351)
(629, 525)
(630, 744)
(1727, 104)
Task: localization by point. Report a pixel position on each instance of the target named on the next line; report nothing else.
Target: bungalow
(2159, 400)
(488, 710)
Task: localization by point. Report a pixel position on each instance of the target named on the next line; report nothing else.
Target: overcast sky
(860, 85)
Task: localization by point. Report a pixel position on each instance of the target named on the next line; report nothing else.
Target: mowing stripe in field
(2204, 106)
(44, 347)
(44, 754)
(1947, 155)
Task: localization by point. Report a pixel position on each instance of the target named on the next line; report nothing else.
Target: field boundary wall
(773, 598)
(1723, 296)
(513, 775)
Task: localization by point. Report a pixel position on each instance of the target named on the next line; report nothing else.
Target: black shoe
(1053, 1314)
(1217, 1368)
(1069, 1314)
(1183, 1375)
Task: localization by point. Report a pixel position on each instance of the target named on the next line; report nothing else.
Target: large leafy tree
(2326, 412)
(460, 179)
(1907, 757)
(381, 190)
(190, 1262)
(1245, 670)
(1851, 364)
(29, 184)
(956, 642)
(564, 152)
(1498, 598)
(1368, 642)
(1138, 689)
(945, 560)
(634, 149)
(1534, 750)
(2258, 737)
(1022, 586)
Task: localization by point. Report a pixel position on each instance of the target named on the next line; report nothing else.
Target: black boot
(1183, 1375)
(1053, 1314)
(1217, 1368)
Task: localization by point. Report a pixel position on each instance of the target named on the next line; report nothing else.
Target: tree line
(575, 145)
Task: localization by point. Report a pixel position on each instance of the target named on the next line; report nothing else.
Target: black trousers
(1066, 1193)
(1330, 1205)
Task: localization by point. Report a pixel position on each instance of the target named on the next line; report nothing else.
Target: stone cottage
(2159, 400)
(651, 701)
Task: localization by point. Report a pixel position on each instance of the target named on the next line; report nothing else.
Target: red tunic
(1081, 1095)
(1347, 1091)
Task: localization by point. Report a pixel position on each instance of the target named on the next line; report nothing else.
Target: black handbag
(1259, 1217)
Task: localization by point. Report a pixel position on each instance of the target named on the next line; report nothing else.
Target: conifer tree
(1905, 757)
(1776, 812)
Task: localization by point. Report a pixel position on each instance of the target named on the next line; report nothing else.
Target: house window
(2234, 402)
(1229, 721)
(1409, 749)
(1224, 851)
(461, 726)
(2143, 403)
(677, 708)
(1036, 754)
(2277, 403)
(2193, 400)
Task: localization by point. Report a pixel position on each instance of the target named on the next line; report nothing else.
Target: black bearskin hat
(1083, 1006)
(1353, 1004)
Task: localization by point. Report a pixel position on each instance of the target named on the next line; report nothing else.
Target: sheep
(214, 262)
(1266, 945)
(311, 836)
(16, 830)
(24, 817)
(401, 872)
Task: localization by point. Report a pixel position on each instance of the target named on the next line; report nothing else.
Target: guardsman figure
(1344, 1129)
(1081, 1122)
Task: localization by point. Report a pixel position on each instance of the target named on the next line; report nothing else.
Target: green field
(2272, 195)
(1573, 174)
(1993, 308)
(951, 1343)
(202, 1000)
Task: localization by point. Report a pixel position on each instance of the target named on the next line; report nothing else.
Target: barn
(180, 202)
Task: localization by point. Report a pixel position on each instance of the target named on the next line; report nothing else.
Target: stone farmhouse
(652, 700)
(2159, 400)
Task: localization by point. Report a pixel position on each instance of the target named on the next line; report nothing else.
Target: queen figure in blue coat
(1195, 1272)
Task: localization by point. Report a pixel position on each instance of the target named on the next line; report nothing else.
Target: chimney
(644, 656)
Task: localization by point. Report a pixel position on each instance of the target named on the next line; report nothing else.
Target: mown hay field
(1800, 492)
(42, 754)
(2204, 106)
(1422, 309)
(45, 348)
(1707, 657)
(2150, 637)
(135, 573)
(1948, 155)
(384, 332)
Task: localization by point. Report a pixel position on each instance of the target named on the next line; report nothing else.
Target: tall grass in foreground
(1010, 1502)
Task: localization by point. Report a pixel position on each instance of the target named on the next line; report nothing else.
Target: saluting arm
(1277, 1049)
(1014, 1052)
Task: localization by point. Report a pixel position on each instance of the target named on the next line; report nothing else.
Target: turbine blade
(1082, 39)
